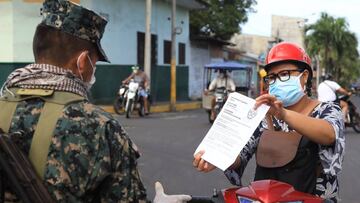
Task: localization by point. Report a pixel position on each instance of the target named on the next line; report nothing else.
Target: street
(167, 142)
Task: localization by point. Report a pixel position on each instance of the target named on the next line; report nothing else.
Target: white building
(123, 41)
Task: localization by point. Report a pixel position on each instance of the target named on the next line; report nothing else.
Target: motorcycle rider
(140, 77)
(327, 92)
(222, 80)
(316, 128)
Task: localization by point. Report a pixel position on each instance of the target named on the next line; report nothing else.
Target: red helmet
(289, 52)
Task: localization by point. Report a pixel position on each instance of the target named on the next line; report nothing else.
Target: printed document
(231, 130)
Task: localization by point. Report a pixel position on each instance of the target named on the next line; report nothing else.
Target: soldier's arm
(124, 183)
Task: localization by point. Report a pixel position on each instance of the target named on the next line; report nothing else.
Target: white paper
(231, 130)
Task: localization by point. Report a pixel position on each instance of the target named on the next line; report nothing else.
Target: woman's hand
(276, 106)
(201, 164)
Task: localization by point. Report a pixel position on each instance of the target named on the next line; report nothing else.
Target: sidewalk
(164, 106)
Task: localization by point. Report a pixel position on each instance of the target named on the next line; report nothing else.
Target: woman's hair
(308, 84)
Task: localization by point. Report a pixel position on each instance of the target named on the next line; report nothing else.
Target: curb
(159, 108)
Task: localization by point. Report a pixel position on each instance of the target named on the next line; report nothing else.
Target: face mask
(289, 92)
(93, 78)
(222, 75)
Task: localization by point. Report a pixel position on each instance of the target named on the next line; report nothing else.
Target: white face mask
(93, 78)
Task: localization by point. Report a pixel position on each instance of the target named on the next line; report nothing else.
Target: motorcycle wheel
(217, 110)
(129, 108)
(118, 106)
(355, 121)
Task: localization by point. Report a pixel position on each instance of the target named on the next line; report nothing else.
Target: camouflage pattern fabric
(75, 20)
(91, 158)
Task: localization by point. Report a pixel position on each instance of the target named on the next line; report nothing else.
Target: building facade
(123, 42)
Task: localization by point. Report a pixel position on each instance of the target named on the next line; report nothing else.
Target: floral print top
(331, 157)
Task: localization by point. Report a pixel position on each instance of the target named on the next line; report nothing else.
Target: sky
(259, 23)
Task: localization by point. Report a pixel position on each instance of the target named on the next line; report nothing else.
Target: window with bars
(182, 53)
(167, 52)
(141, 49)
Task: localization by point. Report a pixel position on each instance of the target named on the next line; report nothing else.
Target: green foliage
(221, 19)
(331, 40)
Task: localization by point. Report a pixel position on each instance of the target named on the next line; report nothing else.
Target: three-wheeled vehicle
(239, 72)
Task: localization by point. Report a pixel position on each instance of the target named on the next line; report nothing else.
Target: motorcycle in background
(220, 98)
(129, 100)
(262, 191)
(120, 99)
(241, 74)
(353, 116)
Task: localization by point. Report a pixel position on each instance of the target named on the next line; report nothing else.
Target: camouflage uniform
(90, 158)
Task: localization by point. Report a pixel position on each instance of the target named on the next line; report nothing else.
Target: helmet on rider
(135, 69)
(328, 76)
(286, 52)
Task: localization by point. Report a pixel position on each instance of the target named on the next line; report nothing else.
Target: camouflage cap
(76, 20)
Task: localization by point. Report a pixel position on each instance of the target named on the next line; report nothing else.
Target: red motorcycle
(262, 191)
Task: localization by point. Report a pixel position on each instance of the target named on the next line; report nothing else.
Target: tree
(221, 19)
(331, 40)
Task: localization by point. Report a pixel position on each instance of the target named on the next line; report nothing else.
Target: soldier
(81, 152)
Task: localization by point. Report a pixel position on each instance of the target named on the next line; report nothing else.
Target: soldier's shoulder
(87, 110)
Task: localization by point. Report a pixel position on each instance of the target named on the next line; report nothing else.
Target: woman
(294, 119)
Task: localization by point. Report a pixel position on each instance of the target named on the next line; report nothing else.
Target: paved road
(167, 142)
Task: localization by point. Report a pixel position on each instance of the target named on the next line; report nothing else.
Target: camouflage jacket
(90, 159)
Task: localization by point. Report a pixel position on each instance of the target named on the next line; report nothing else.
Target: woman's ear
(305, 77)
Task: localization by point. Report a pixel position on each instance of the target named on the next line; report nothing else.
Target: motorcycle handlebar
(200, 199)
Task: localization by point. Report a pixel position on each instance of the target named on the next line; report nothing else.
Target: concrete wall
(26, 16)
(288, 29)
(19, 18)
(6, 31)
(254, 44)
(127, 17)
(17, 26)
(199, 57)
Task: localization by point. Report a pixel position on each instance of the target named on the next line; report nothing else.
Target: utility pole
(147, 51)
(318, 70)
(173, 58)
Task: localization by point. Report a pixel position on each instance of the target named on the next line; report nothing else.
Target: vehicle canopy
(241, 73)
(228, 65)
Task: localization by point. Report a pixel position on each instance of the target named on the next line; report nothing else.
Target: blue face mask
(289, 92)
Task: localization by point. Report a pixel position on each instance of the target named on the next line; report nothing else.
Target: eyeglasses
(283, 76)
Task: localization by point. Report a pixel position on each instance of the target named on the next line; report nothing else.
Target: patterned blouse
(331, 157)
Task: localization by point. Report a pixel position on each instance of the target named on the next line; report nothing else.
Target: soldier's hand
(161, 197)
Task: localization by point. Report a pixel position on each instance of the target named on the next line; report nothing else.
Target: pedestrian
(81, 153)
(314, 128)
